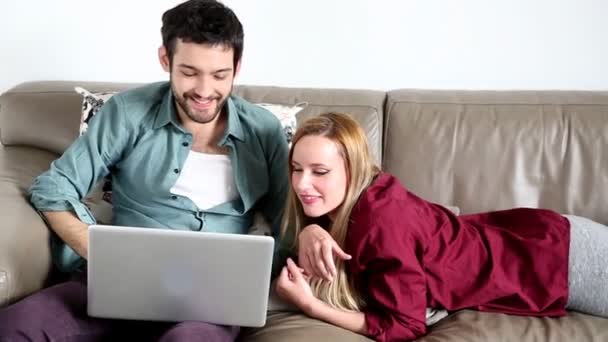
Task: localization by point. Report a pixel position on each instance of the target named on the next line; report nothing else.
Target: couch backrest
(479, 150)
(47, 114)
(488, 150)
(366, 106)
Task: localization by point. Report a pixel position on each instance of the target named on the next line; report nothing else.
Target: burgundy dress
(409, 254)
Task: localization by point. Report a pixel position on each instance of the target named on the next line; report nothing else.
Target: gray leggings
(588, 266)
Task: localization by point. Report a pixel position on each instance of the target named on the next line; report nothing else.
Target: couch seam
(503, 103)
(385, 129)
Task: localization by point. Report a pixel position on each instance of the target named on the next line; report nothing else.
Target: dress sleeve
(389, 273)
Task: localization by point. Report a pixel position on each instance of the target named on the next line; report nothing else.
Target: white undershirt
(206, 179)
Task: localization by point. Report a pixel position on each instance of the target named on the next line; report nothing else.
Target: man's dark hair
(202, 22)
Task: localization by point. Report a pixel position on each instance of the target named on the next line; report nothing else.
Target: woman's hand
(316, 252)
(292, 286)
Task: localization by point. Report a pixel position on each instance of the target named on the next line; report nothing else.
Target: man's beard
(202, 117)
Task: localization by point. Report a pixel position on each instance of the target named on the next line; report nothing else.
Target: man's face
(201, 79)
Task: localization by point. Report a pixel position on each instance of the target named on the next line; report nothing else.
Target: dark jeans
(59, 313)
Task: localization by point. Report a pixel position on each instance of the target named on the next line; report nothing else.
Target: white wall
(381, 44)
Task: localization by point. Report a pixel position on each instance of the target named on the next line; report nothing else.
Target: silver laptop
(170, 275)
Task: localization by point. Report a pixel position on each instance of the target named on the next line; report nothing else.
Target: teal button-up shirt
(137, 138)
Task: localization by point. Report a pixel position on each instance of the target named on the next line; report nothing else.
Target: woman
(397, 254)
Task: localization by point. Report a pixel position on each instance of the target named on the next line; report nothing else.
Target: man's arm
(70, 229)
(57, 193)
(274, 201)
(276, 197)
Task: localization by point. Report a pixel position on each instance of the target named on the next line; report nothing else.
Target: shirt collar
(167, 114)
(234, 127)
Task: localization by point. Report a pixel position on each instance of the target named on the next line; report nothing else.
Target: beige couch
(478, 150)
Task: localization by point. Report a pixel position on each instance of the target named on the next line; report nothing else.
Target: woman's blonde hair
(352, 144)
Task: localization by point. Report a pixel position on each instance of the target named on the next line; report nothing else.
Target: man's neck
(206, 137)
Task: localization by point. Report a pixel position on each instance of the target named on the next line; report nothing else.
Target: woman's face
(319, 175)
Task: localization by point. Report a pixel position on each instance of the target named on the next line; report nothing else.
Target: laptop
(172, 275)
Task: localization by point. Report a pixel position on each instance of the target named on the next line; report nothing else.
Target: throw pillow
(91, 103)
(100, 198)
(286, 115)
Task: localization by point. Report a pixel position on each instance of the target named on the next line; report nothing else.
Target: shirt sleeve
(274, 201)
(74, 174)
(389, 260)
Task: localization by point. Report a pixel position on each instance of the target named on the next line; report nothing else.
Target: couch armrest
(25, 258)
(25, 261)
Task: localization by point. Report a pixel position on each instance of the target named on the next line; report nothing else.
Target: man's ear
(237, 69)
(163, 58)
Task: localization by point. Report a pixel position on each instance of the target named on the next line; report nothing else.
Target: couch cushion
(488, 150)
(364, 105)
(464, 325)
(297, 327)
(477, 326)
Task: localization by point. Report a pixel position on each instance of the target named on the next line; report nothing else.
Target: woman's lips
(308, 200)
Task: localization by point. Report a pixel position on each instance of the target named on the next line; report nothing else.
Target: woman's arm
(292, 285)
(387, 246)
(353, 321)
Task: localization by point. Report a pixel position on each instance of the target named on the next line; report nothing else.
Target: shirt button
(199, 214)
(185, 144)
(173, 197)
(176, 170)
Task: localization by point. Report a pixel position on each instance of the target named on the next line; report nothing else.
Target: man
(167, 147)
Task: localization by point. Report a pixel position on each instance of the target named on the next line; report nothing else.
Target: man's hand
(316, 252)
